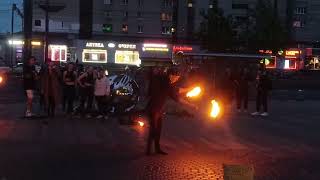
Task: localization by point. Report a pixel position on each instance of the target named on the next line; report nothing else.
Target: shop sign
(182, 48)
(155, 47)
(292, 53)
(127, 46)
(265, 51)
(100, 45)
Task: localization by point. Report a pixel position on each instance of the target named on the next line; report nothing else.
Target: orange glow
(141, 124)
(292, 53)
(1, 79)
(215, 109)
(194, 92)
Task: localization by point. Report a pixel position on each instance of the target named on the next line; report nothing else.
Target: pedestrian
(101, 93)
(242, 89)
(227, 87)
(29, 83)
(162, 86)
(264, 85)
(50, 87)
(69, 79)
(86, 82)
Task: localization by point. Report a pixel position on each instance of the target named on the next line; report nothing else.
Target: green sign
(107, 28)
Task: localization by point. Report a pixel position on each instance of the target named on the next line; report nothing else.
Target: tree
(265, 30)
(216, 32)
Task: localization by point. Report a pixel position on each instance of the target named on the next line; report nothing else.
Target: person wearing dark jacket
(242, 89)
(264, 85)
(161, 87)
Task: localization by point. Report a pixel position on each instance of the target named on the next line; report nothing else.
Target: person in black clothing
(242, 89)
(161, 87)
(264, 85)
(227, 87)
(69, 79)
(29, 83)
(86, 82)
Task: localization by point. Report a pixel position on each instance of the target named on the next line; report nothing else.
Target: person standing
(69, 79)
(101, 93)
(162, 86)
(264, 85)
(86, 82)
(29, 83)
(242, 89)
(50, 87)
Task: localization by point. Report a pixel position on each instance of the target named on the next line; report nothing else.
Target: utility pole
(27, 28)
(46, 32)
(14, 6)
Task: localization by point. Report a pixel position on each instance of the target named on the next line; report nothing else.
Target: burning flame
(215, 109)
(194, 92)
(141, 124)
(1, 79)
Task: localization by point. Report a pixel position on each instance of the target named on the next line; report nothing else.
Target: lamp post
(48, 7)
(27, 28)
(14, 6)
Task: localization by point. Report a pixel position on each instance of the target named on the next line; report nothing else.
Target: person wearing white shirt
(101, 93)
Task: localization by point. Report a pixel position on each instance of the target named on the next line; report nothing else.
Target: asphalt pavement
(284, 145)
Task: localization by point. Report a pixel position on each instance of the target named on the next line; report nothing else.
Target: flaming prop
(215, 109)
(141, 124)
(194, 92)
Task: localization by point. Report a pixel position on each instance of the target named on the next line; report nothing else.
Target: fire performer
(162, 86)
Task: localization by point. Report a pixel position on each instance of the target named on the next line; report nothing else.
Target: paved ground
(282, 146)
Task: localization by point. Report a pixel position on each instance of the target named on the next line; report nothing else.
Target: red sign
(265, 51)
(182, 48)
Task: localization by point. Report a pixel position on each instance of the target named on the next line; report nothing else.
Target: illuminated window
(107, 28)
(127, 57)
(166, 16)
(57, 52)
(125, 28)
(94, 56)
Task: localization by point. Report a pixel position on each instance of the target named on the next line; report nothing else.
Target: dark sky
(5, 15)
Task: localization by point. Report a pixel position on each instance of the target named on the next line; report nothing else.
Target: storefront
(292, 59)
(94, 52)
(313, 58)
(156, 54)
(108, 53)
(127, 54)
(57, 53)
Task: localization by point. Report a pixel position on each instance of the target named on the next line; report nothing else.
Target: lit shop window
(57, 52)
(127, 57)
(94, 56)
(290, 64)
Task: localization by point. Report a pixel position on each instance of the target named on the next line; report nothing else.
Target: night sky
(5, 16)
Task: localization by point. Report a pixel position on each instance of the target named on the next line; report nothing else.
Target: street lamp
(49, 7)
